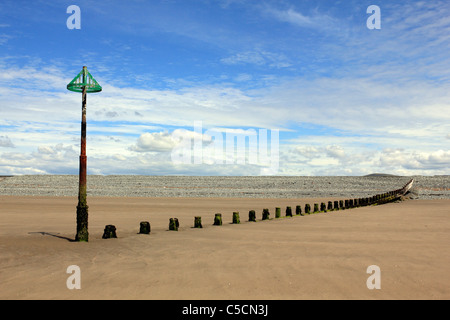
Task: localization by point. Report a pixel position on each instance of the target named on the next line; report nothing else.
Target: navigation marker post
(85, 83)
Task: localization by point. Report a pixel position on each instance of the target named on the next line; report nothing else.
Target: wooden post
(218, 219)
(252, 216)
(198, 222)
(265, 214)
(288, 212)
(109, 232)
(330, 206)
(336, 205)
(323, 207)
(236, 219)
(277, 212)
(173, 224)
(144, 227)
(316, 207)
(307, 209)
(298, 210)
(341, 204)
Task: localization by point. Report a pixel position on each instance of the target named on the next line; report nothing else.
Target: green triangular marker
(84, 79)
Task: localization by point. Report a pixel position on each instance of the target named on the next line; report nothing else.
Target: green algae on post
(218, 219)
(109, 232)
(236, 219)
(307, 208)
(316, 207)
(173, 224)
(144, 227)
(198, 222)
(252, 216)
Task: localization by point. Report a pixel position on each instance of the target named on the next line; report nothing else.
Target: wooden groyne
(330, 206)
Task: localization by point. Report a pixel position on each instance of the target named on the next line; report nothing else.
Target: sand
(320, 256)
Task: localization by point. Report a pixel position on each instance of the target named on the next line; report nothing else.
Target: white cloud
(165, 141)
(5, 142)
(335, 152)
(258, 57)
(157, 141)
(315, 20)
(46, 150)
(414, 160)
(307, 151)
(57, 159)
(363, 113)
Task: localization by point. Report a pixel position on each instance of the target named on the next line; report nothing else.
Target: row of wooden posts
(110, 230)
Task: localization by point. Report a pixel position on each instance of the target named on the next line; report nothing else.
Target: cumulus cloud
(5, 142)
(415, 161)
(335, 152)
(307, 151)
(331, 151)
(157, 141)
(45, 159)
(165, 141)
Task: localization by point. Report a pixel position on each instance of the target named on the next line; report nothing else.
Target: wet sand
(319, 256)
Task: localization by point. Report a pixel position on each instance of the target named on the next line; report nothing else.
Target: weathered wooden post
(144, 227)
(265, 214)
(298, 211)
(109, 232)
(346, 204)
(252, 216)
(173, 224)
(341, 204)
(236, 219)
(277, 212)
(336, 205)
(218, 219)
(323, 207)
(198, 222)
(316, 207)
(84, 83)
(330, 206)
(307, 208)
(288, 212)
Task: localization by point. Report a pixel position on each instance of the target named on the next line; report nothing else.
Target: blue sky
(346, 100)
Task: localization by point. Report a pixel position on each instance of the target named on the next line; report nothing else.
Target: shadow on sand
(56, 235)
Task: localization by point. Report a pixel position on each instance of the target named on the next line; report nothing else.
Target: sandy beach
(319, 256)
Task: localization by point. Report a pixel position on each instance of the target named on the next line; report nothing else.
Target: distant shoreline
(225, 186)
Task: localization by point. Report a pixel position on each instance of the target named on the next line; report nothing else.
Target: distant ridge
(381, 175)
